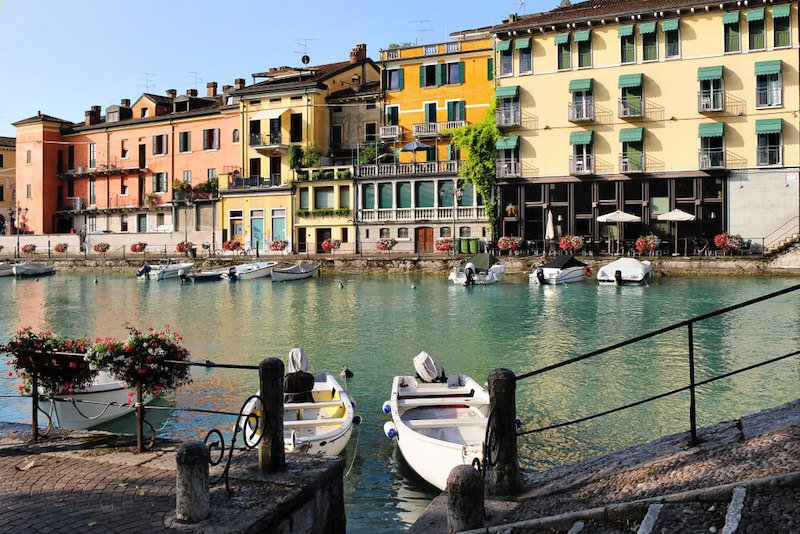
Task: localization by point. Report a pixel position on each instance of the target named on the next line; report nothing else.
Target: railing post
(271, 453)
(139, 418)
(502, 470)
(192, 500)
(465, 504)
(48, 248)
(35, 405)
(692, 405)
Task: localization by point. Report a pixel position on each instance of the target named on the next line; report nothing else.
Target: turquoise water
(376, 324)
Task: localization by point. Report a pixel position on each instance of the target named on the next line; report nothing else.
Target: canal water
(376, 324)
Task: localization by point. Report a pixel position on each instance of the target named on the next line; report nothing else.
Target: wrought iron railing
(711, 158)
(769, 155)
(508, 116)
(710, 100)
(580, 111)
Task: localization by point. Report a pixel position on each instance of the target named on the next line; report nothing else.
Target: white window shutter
(216, 137)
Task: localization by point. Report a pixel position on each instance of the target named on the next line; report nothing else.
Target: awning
(625, 31)
(509, 91)
(562, 38)
(755, 14)
(267, 114)
(584, 84)
(709, 73)
(768, 67)
(647, 27)
(670, 25)
(521, 44)
(768, 126)
(780, 12)
(631, 135)
(731, 17)
(585, 35)
(503, 46)
(713, 129)
(507, 143)
(581, 138)
(630, 80)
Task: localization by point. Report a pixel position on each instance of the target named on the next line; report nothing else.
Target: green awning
(647, 27)
(509, 91)
(780, 12)
(507, 143)
(503, 46)
(713, 129)
(768, 67)
(581, 138)
(768, 126)
(670, 25)
(562, 38)
(756, 14)
(631, 135)
(709, 73)
(625, 31)
(584, 84)
(731, 17)
(585, 35)
(521, 44)
(630, 80)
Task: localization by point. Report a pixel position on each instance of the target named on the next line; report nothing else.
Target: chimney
(93, 115)
(172, 93)
(226, 88)
(125, 102)
(211, 89)
(355, 83)
(238, 83)
(191, 92)
(358, 53)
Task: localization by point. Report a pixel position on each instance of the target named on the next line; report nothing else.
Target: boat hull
(170, 271)
(281, 275)
(26, 270)
(631, 272)
(252, 271)
(553, 276)
(6, 269)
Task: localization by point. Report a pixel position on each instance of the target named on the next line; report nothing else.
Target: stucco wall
(761, 201)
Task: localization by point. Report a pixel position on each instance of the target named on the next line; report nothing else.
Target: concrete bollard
(465, 507)
(503, 478)
(271, 452)
(192, 503)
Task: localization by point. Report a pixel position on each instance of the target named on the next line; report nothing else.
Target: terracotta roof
(8, 141)
(158, 99)
(40, 117)
(307, 76)
(369, 88)
(214, 108)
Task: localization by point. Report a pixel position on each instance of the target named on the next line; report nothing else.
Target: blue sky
(61, 57)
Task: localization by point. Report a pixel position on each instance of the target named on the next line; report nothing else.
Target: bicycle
(246, 250)
(209, 252)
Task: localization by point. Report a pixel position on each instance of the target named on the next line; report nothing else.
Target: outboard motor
(469, 273)
(145, 270)
(427, 370)
(540, 276)
(232, 273)
(618, 277)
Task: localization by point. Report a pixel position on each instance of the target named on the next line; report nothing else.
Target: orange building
(134, 169)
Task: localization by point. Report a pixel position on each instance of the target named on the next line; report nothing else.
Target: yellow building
(287, 109)
(7, 183)
(407, 194)
(646, 107)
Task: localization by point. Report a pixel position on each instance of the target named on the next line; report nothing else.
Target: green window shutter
(462, 109)
(779, 12)
(769, 126)
(646, 28)
(460, 72)
(384, 79)
(625, 31)
(154, 144)
(451, 111)
(713, 129)
(731, 17)
(155, 182)
(768, 67)
(709, 73)
(490, 69)
(430, 112)
(404, 194)
(384, 196)
(400, 80)
(422, 76)
(441, 74)
(425, 194)
(631, 135)
(670, 25)
(467, 196)
(368, 196)
(756, 14)
(503, 46)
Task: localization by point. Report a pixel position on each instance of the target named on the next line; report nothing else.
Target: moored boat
(256, 269)
(295, 272)
(480, 269)
(625, 271)
(439, 422)
(209, 276)
(6, 269)
(561, 270)
(166, 269)
(32, 269)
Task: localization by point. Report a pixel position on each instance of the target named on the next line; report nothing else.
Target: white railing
(508, 116)
(453, 47)
(508, 169)
(711, 158)
(631, 106)
(431, 50)
(434, 129)
(581, 164)
(631, 163)
(403, 169)
(710, 100)
(391, 132)
(769, 155)
(580, 111)
(463, 213)
(392, 54)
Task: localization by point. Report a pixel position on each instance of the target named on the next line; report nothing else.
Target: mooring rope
(355, 452)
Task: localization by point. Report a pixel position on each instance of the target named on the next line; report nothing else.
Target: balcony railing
(508, 169)
(768, 98)
(272, 140)
(252, 182)
(468, 213)
(328, 172)
(508, 116)
(579, 165)
(672, 49)
(769, 155)
(431, 50)
(712, 158)
(631, 106)
(711, 100)
(580, 111)
(391, 132)
(406, 169)
(435, 129)
(631, 163)
(392, 54)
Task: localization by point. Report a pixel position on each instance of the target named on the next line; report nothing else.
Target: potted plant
(278, 245)
(647, 243)
(444, 244)
(726, 242)
(509, 243)
(28, 248)
(184, 247)
(330, 244)
(101, 248)
(139, 246)
(61, 247)
(570, 243)
(231, 245)
(385, 243)
(150, 199)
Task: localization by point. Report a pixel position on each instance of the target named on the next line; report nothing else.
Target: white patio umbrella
(549, 232)
(676, 216)
(618, 217)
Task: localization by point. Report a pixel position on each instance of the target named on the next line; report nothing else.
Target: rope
(355, 452)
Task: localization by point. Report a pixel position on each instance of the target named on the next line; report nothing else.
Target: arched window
(464, 231)
(384, 232)
(402, 233)
(445, 231)
(236, 135)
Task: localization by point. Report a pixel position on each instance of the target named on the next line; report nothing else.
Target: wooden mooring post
(502, 469)
(271, 454)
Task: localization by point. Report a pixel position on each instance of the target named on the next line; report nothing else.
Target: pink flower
(10, 373)
(149, 358)
(142, 371)
(154, 344)
(73, 365)
(19, 387)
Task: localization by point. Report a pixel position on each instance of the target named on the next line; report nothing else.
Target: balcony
(333, 172)
(581, 165)
(711, 100)
(581, 111)
(392, 54)
(712, 158)
(631, 164)
(631, 106)
(769, 155)
(769, 98)
(253, 182)
(410, 169)
(272, 141)
(102, 169)
(508, 116)
(462, 213)
(508, 169)
(391, 132)
(436, 129)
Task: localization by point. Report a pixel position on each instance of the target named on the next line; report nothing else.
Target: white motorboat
(625, 271)
(32, 269)
(295, 272)
(6, 269)
(439, 422)
(256, 269)
(81, 415)
(561, 270)
(480, 269)
(209, 276)
(166, 269)
(318, 420)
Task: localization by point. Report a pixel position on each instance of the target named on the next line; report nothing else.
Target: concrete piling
(192, 503)
(465, 506)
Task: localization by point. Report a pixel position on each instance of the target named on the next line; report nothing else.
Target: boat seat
(311, 405)
(436, 423)
(438, 392)
(315, 422)
(438, 401)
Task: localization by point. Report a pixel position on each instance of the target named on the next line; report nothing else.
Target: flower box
(231, 245)
(444, 244)
(278, 245)
(61, 247)
(329, 244)
(101, 248)
(385, 243)
(28, 248)
(647, 243)
(509, 243)
(570, 243)
(184, 246)
(139, 246)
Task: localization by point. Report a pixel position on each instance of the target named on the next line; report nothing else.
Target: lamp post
(15, 214)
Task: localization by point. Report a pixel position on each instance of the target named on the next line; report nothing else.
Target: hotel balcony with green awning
(711, 95)
(581, 162)
(508, 162)
(769, 150)
(631, 103)
(631, 160)
(712, 145)
(507, 111)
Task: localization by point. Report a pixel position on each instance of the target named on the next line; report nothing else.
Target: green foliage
(326, 212)
(395, 46)
(479, 140)
(313, 156)
(372, 151)
(295, 157)
(344, 174)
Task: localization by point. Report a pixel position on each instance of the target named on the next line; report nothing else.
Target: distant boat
(625, 271)
(209, 276)
(561, 270)
(165, 269)
(32, 269)
(6, 269)
(256, 269)
(295, 272)
(480, 269)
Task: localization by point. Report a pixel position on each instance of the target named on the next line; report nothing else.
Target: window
(564, 54)
(159, 145)
(464, 231)
(732, 31)
(371, 105)
(506, 63)
(425, 193)
(672, 38)
(1, 160)
(385, 197)
(403, 195)
(392, 115)
(29, 191)
(296, 128)
(344, 196)
(394, 80)
(255, 166)
(384, 233)
(184, 142)
(160, 182)
(123, 149)
(323, 198)
(211, 139)
(187, 177)
(368, 196)
(769, 90)
(123, 222)
(402, 233)
(582, 107)
(28, 156)
(755, 29)
(456, 110)
(144, 112)
(337, 109)
(445, 231)
(92, 223)
(428, 75)
(92, 190)
(255, 102)
(627, 45)
(211, 174)
(649, 41)
(235, 138)
(336, 135)
(584, 54)
(2, 194)
(123, 189)
(781, 33)
(525, 60)
(430, 111)
(770, 143)
(92, 155)
(303, 202)
(370, 132)
(455, 73)
(159, 219)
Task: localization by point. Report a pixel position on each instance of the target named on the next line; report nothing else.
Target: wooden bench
(454, 401)
(436, 423)
(311, 405)
(333, 421)
(449, 392)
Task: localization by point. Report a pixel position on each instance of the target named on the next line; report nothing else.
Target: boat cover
(300, 268)
(297, 360)
(482, 262)
(564, 262)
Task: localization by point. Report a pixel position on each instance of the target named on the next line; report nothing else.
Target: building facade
(8, 191)
(645, 107)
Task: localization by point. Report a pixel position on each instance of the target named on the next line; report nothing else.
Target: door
(257, 229)
(142, 157)
(141, 223)
(322, 235)
(424, 239)
(237, 229)
(301, 240)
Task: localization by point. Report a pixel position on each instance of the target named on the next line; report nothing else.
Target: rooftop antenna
(422, 29)
(521, 4)
(195, 77)
(147, 81)
(304, 43)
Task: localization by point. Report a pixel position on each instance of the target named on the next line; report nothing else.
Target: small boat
(76, 416)
(480, 269)
(625, 271)
(256, 269)
(32, 269)
(166, 269)
(295, 272)
(561, 270)
(209, 276)
(6, 269)
(318, 418)
(439, 422)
